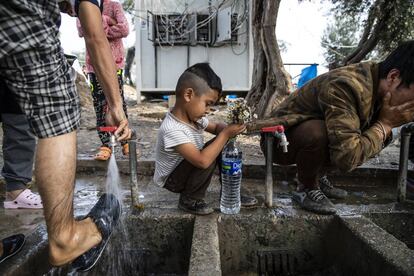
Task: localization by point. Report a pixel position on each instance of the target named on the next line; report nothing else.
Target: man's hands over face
(395, 116)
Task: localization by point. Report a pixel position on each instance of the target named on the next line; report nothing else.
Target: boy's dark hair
(402, 58)
(195, 76)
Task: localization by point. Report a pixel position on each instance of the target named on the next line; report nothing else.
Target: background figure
(116, 27)
(19, 146)
(128, 65)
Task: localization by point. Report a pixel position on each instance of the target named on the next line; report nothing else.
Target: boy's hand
(232, 130)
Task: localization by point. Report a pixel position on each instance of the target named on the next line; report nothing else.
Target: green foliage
(386, 22)
(129, 5)
(400, 27)
(339, 39)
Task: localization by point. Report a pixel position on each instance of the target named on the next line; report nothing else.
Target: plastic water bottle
(231, 175)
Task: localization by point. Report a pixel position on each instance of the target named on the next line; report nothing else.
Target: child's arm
(215, 128)
(120, 27)
(204, 158)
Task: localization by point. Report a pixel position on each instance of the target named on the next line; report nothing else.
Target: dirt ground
(147, 116)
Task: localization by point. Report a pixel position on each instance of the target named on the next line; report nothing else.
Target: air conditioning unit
(168, 29)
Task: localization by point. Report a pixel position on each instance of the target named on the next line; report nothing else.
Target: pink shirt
(114, 33)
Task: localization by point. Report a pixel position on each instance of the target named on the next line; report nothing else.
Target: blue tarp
(307, 74)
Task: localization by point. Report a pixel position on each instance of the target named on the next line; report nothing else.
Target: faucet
(132, 162)
(271, 132)
(112, 140)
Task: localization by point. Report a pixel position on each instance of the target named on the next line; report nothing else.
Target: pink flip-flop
(25, 200)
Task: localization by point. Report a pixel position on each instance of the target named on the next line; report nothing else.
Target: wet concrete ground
(88, 187)
(372, 190)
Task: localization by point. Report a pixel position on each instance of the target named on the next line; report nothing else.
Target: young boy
(183, 163)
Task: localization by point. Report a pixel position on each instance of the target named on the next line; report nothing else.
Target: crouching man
(341, 119)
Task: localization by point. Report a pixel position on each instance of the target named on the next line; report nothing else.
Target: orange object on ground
(125, 149)
(103, 154)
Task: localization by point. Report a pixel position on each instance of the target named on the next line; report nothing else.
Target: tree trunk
(377, 19)
(270, 82)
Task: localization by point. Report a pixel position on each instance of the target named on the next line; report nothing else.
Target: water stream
(118, 259)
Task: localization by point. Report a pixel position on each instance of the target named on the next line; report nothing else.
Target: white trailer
(172, 35)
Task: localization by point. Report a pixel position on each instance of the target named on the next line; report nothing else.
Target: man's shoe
(105, 215)
(194, 206)
(329, 190)
(11, 246)
(248, 201)
(314, 201)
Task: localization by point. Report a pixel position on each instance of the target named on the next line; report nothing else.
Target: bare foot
(72, 244)
(10, 196)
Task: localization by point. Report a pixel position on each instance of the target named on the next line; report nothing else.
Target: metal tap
(132, 162)
(112, 140)
(271, 132)
(283, 140)
(279, 132)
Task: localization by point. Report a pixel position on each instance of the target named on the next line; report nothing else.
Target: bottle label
(231, 168)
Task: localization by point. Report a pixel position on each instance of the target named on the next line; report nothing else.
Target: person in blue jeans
(19, 145)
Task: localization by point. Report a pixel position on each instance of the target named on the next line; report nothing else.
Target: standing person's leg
(19, 146)
(55, 175)
(38, 75)
(99, 104)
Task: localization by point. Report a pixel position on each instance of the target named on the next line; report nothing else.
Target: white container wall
(174, 34)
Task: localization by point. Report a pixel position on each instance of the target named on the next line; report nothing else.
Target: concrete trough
(370, 235)
(142, 245)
